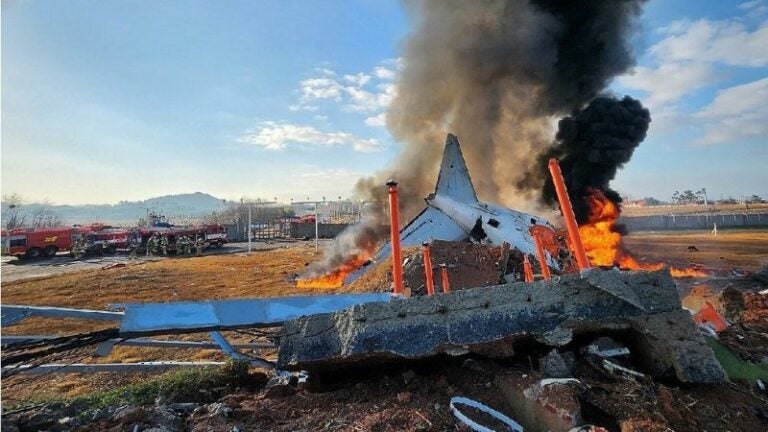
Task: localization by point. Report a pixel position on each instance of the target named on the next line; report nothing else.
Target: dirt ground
(264, 273)
(693, 209)
(270, 273)
(730, 249)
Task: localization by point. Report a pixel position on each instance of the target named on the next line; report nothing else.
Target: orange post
(430, 282)
(446, 281)
(708, 315)
(542, 256)
(570, 218)
(394, 229)
(527, 270)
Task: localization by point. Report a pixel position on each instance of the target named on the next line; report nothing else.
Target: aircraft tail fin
(453, 180)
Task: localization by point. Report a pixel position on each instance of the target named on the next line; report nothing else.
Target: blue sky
(104, 101)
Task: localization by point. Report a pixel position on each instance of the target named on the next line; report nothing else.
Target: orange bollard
(570, 218)
(542, 257)
(527, 270)
(428, 268)
(446, 281)
(394, 230)
(708, 315)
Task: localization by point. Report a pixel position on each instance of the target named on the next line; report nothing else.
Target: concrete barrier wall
(307, 230)
(695, 222)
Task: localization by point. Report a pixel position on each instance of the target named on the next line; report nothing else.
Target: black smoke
(591, 145)
(495, 73)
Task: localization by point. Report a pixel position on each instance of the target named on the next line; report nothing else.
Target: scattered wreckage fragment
(642, 306)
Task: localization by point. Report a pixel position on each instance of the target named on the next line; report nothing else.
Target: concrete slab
(490, 320)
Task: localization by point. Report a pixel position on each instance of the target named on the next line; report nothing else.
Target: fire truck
(103, 239)
(213, 235)
(39, 242)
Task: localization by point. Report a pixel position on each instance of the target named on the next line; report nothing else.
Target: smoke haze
(498, 73)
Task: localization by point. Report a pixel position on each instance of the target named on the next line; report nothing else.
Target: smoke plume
(592, 144)
(497, 73)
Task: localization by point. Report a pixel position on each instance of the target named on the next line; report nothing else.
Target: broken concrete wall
(490, 320)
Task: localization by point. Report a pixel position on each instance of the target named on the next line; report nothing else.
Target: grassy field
(693, 209)
(261, 274)
(743, 249)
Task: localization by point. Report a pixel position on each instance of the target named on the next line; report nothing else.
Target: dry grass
(262, 274)
(744, 249)
(693, 209)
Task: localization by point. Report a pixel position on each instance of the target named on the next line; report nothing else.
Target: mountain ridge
(178, 206)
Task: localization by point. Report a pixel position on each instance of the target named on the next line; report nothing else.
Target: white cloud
(688, 58)
(379, 120)
(754, 8)
(366, 92)
(736, 113)
(727, 42)
(359, 79)
(698, 54)
(670, 81)
(384, 73)
(278, 136)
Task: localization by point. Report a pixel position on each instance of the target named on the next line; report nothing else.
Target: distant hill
(181, 208)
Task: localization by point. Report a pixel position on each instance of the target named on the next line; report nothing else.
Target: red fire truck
(39, 242)
(46, 242)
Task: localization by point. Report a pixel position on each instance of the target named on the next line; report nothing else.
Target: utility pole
(249, 228)
(317, 226)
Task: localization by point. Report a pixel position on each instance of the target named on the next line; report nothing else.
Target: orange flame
(603, 242)
(335, 277)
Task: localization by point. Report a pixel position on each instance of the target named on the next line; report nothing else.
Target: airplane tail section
(453, 180)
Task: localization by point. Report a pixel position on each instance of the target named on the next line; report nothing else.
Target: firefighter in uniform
(77, 248)
(104, 246)
(133, 246)
(164, 244)
(152, 244)
(88, 245)
(179, 245)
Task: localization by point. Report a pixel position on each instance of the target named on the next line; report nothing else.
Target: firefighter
(88, 245)
(77, 248)
(180, 245)
(199, 245)
(105, 246)
(133, 246)
(164, 244)
(153, 245)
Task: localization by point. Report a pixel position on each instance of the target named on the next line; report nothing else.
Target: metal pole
(527, 269)
(317, 226)
(542, 257)
(394, 231)
(446, 281)
(430, 283)
(568, 215)
(249, 228)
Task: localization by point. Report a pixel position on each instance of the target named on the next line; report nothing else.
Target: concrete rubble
(641, 309)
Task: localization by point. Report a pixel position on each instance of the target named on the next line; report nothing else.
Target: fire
(335, 277)
(603, 243)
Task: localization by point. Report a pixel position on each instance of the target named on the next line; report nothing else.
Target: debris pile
(491, 321)
(416, 396)
(469, 265)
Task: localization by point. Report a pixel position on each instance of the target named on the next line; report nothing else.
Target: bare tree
(13, 217)
(45, 217)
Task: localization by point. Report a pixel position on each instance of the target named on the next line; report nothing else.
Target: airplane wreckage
(323, 332)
